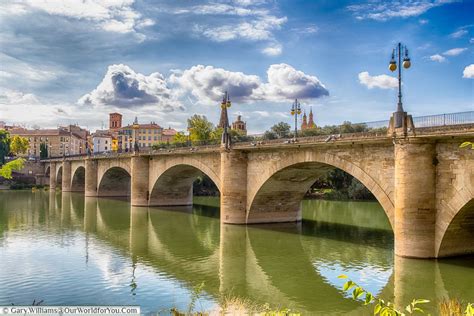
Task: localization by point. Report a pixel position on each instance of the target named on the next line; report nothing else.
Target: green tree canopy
(43, 151)
(14, 165)
(200, 128)
(4, 145)
(179, 139)
(281, 129)
(19, 145)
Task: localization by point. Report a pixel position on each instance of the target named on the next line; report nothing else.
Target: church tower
(304, 125)
(311, 123)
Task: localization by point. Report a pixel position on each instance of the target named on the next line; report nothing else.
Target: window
(149, 137)
(105, 147)
(106, 144)
(155, 138)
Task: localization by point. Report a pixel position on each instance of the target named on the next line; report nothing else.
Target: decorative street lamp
(296, 110)
(224, 121)
(399, 51)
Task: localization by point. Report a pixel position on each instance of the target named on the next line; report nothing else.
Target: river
(65, 249)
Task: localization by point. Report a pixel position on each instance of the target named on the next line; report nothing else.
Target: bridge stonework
(424, 183)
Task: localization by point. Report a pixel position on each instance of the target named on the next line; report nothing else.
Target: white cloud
(273, 50)
(423, 21)
(110, 15)
(468, 72)
(459, 33)
(257, 30)
(284, 83)
(380, 81)
(471, 40)
(438, 58)
(14, 97)
(208, 84)
(385, 10)
(454, 51)
(15, 68)
(123, 87)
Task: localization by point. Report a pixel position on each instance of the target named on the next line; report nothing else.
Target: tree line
(10, 150)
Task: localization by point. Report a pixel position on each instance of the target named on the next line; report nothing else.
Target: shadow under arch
(59, 177)
(286, 184)
(116, 182)
(174, 186)
(458, 238)
(78, 181)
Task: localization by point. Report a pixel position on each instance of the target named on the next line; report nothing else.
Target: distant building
(308, 122)
(62, 141)
(167, 135)
(145, 135)
(102, 141)
(240, 125)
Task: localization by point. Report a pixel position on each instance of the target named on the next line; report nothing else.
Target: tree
(4, 145)
(179, 139)
(14, 165)
(19, 145)
(43, 151)
(281, 129)
(200, 128)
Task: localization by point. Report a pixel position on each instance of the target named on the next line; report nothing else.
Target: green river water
(69, 250)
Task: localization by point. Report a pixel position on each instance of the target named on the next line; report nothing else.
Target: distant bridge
(424, 180)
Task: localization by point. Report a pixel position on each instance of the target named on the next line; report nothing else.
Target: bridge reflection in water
(292, 265)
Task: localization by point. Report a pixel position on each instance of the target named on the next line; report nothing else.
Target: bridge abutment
(140, 174)
(415, 198)
(233, 187)
(90, 177)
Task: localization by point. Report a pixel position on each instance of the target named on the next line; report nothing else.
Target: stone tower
(115, 121)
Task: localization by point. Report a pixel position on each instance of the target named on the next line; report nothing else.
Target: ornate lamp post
(296, 110)
(224, 121)
(399, 51)
(135, 127)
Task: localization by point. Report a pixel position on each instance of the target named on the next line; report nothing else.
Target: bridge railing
(363, 130)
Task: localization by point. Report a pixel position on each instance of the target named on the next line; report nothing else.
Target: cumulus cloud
(468, 72)
(386, 10)
(113, 15)
(454, 51)
(14, 97)
(380, 81)
(123, 87)
(207, 83)
(438, 58)
(284, 82)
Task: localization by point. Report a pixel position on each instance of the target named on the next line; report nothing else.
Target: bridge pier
(415, 198)
(52, 176)
(140, 174)
(66, 177)
(90, 177)
(233, 187)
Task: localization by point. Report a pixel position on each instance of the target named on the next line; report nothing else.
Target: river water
(65, 249)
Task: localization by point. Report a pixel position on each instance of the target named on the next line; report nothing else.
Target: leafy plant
(381, 307)
(14, 165)
(467, 144)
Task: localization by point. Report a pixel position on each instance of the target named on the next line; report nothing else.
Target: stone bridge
(424, 182)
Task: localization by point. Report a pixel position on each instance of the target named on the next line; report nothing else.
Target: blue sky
(75, 61)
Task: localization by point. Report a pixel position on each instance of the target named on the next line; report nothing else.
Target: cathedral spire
(311, 123)
(304, 125)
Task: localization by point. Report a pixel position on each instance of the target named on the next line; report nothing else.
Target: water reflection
(154, 257)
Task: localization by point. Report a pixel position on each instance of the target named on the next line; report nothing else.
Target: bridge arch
(78, 179)
(286, 181)
(115, 181)
(59, 176)
(173, 186)
(458, 231)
